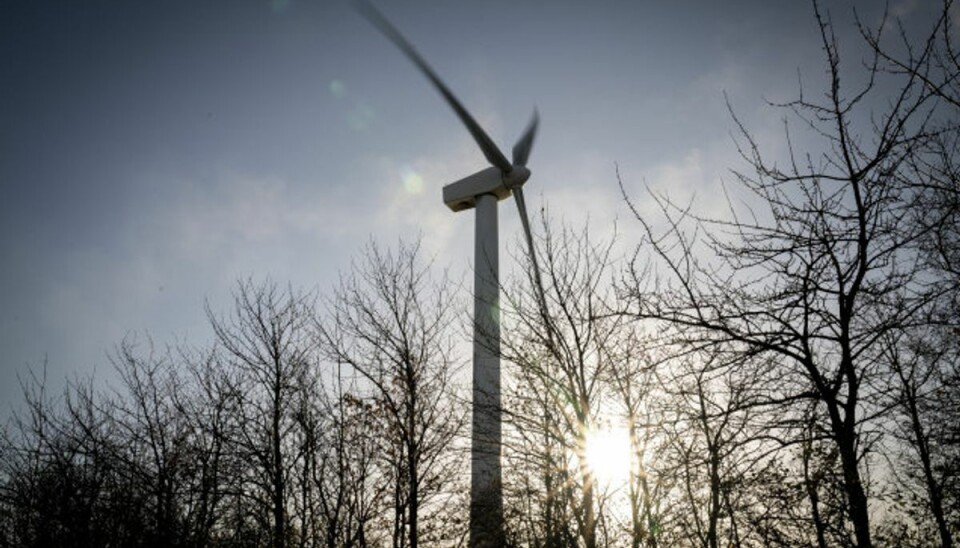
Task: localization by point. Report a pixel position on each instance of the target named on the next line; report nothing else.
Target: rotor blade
(489, 148)
(522, 206)
(521, 150)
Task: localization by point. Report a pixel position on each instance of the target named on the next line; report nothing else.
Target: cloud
(188, 244)
(691, 178)
(903, 8)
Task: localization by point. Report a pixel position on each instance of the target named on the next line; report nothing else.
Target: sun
(608, 455)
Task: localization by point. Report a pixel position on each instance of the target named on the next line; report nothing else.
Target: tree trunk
(278, 487)
(714, 508)
(589, 520)
(413, 503)
(813, 495)
(845, 437)
(934, 491)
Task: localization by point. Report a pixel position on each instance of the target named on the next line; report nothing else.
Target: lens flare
(338, 89)
(280, 6)
(412, 181)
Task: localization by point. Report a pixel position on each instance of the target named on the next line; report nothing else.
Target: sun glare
(608, 455)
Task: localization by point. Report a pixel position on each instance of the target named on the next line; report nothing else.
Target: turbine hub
(516, 177)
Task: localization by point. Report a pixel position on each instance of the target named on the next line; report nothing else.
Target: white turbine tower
(482, 191)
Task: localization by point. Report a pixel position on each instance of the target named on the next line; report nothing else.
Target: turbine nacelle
(462, 194)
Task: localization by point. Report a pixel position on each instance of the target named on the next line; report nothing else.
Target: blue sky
(152, 153)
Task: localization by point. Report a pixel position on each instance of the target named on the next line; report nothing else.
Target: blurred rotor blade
(521, 150)
(522, 206)
(489, 148)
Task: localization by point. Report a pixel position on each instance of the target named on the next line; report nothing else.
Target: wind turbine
(482, 191)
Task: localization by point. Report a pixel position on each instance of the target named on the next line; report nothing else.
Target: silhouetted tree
(268, 341)
(391, 322)
(155, 433)
(563, 351)
(340, 487)
(818, 270)
(208, 405)
(62, 483)
(632, 377)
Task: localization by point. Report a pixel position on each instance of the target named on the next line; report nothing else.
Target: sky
(154, 153)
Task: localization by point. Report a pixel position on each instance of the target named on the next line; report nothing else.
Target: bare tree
(633, 380)
(156, 436)
(921, 394)
(563, 350)
(824, 271)
(391, 322)
(268, 342)
(339, 487)
(716, 449)
(61, 481)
